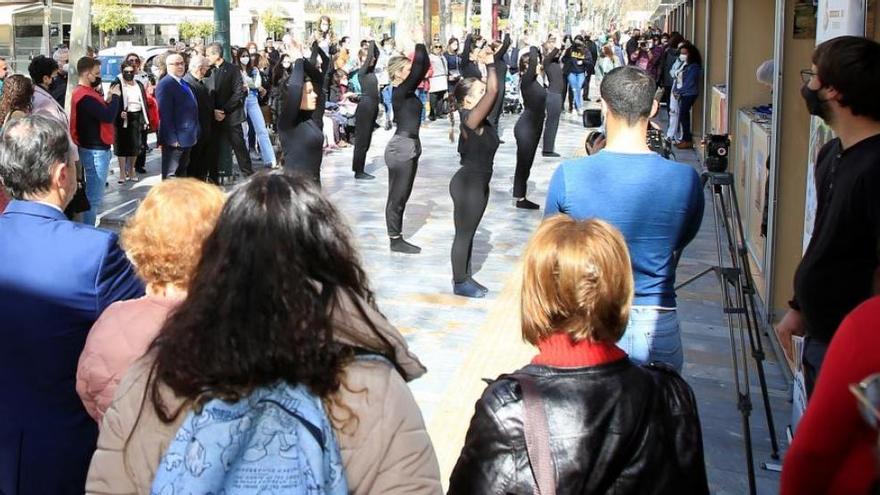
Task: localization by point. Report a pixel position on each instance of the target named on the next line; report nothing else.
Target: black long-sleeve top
(501, 59)
(534, 95)
(838, 269)
(367, 73)
(553, 69)
(90, 113)
(406, 105)
(302, 130)
(479, 138)
(468, 67)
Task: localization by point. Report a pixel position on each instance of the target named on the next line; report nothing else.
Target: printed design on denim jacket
(277, 440)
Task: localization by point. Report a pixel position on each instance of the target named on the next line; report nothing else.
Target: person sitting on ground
(605, 424)
(164, 241)
(656, 203)
(56, 277)
(297, 306)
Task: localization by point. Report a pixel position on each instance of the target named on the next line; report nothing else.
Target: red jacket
(833, 447)
(108, 132)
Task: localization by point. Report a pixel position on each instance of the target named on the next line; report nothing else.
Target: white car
(112, 59)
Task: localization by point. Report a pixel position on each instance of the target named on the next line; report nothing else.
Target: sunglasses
(867, 394)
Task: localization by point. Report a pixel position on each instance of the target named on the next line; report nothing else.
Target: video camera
(717, 148)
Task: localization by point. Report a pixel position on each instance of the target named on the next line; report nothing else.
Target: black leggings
(551, 125)
(527, 133)
(470, 195)
(364, 118)
(402, 158)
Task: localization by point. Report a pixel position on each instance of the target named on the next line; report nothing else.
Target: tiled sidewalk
(462, 341)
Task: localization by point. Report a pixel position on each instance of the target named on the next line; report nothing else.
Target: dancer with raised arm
(477, 145)
(528, 128)
(404, 149)
(469, 67)
(301, 125)
(555, 98)
(367, 111)
(502, 68)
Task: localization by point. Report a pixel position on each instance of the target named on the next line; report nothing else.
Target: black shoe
(387, 125)
(481, 286)
(550, 154)
(364, 176)
(526, 204)
(468, 288)
(500, 142)
(141, 170)
(398, 245)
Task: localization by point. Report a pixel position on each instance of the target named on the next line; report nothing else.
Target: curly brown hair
(260, 302)
(18, 95)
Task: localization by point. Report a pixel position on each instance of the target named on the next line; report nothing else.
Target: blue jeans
(423, 95)
(386, 102)
(95, 164)
(575, 85)
(653, 335)
(255, 117)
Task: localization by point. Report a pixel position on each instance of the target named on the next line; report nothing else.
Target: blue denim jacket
(690, 81)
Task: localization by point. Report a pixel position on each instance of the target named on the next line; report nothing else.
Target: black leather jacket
(614, 428)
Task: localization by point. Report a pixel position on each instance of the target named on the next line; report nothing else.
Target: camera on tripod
(717, 148)
(659, 144)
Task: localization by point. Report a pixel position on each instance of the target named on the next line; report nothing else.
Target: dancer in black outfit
(469, 187)
(555, 92)
(501, 67)
(366, 113)
(301, 123)
(403, 150)
(469, 67)
(528, 128)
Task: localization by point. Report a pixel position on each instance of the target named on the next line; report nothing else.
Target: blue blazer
(56, 277)
(178, 113)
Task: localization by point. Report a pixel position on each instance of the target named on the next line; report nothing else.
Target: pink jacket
(119, 337)
(45, 104)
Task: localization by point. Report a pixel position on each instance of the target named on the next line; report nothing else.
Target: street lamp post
(221, 26)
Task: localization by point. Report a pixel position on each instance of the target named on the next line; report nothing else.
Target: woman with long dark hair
(301, 124)
(528, 128)
(367, 110)
(278, 296)
(253, 78)
(404, 149)
(17, 99)
(469, 187)
(686, 90)
(132, 122)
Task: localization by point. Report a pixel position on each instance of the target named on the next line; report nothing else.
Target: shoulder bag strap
(537, 435)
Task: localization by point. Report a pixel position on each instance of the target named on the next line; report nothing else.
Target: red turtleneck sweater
(560, 351)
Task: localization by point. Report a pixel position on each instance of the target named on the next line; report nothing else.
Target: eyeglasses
(806, 75)
(867, 393)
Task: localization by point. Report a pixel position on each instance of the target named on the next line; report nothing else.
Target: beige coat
(387, 450)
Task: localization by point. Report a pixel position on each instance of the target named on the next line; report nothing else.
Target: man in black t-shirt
(837, 271)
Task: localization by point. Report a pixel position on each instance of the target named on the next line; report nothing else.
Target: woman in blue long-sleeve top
(687, 89)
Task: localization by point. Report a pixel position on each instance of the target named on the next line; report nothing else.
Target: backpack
(276, 440)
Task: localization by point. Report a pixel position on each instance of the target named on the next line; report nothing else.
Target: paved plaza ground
(463, 341)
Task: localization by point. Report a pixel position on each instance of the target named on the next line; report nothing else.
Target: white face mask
(156, 72)
(683, 57)
(65, 67)
(244, 60)
(285, 64)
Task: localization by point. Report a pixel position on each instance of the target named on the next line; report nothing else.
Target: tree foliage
(199, 29)
(273, 21)
(112, 15)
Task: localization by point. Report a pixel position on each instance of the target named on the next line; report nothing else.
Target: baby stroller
(512, 100)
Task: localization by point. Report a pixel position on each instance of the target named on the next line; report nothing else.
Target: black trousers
(551, 125)
(201, 158)
(364, 118)
(436, 102)
(495, 115)
(402, 158)
(527, 133)
(470, 195)
(587, 76)
(141, 162)
(234, 135)
(174, 161)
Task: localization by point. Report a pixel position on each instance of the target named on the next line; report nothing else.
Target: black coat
(229, 92)
(614, 428)
(205, 100)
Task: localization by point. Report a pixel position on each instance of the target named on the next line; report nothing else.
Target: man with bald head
(178, 118)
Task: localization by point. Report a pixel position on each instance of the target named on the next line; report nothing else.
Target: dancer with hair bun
(404, 149)
(477, 145)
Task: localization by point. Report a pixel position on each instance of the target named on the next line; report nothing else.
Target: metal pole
(486, 19)
(221, 26)
(426, 22)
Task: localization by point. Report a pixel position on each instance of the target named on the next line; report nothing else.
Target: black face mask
(128, 76)
(815, 105)
(96, 83)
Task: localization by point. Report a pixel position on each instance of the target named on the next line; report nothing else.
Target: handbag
(80, 201)
(537, 435)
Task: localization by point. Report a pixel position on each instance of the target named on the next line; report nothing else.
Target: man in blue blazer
(56, 277)
(178, 118)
